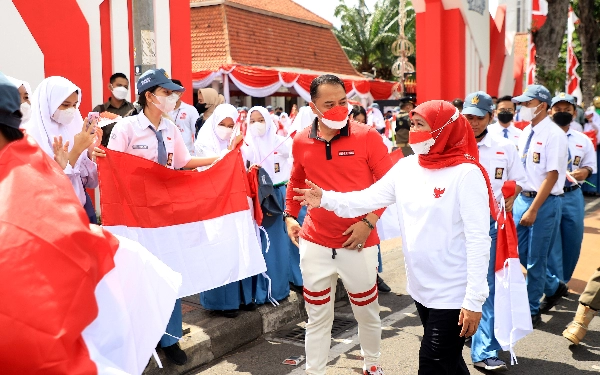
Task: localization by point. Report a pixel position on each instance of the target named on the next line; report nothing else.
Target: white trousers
(320, 271)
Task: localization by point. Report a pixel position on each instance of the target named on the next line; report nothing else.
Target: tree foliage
(367, 35)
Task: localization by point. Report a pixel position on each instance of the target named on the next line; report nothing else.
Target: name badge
(140, 147)
(346, 153)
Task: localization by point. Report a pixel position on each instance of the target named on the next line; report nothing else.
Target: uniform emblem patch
(170, 159)
(577, 160)
(536, 157)
(437, 192)
(346, 153)
(499, 173)
(277, 168)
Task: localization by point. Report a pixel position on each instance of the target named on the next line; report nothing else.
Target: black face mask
(562, 118)
(505, 117)
(278, 113)
(201, 107)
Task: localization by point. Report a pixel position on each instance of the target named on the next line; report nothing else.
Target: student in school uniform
(152, 136)
(505, 111)
(580, 165)
(537, 210)
(185, 117)
(500, 158)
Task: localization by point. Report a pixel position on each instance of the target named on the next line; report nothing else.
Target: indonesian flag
(573, 79)
(512, 319)
(539, 11)
(75, 299)
(198, 223)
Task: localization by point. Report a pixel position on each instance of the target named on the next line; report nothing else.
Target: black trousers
(441, 347)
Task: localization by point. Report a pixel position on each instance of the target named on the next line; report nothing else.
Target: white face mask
(258, 129)
(120, 93)
(528, 114)
(64, 116)
(25, 111)
(223, 132)
(166, 103)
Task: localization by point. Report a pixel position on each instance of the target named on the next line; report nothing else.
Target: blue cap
(156, 77)
(563, 97)
(538, 92)
(478, 103)
(375, 105)
(10, 103)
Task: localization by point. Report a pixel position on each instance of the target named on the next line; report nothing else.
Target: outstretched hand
(309, 197)
(61, 152)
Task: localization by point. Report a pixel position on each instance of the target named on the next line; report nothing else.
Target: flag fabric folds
(76, 299)
(198, 223)
(512, 319)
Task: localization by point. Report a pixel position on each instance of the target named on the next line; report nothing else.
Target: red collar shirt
(351, 161)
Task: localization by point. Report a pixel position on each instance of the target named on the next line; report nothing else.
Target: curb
(211, 338)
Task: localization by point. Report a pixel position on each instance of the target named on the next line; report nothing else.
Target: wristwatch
(286, 215)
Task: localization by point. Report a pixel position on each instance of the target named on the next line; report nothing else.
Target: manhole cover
(297, 334)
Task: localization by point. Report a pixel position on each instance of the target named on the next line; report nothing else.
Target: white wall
(91, 12)
(162, 32)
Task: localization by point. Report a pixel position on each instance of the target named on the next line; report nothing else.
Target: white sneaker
(492, 364)
(374, 370)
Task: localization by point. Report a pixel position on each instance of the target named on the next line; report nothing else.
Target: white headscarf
(18, 83)
(258, 148)
(208, 140)
(45, 101)
(303, 119)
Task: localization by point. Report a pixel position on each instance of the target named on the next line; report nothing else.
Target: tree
(367, 36)
(548, 40)
(589, 36)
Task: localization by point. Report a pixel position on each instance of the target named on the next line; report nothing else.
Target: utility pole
(144, 40)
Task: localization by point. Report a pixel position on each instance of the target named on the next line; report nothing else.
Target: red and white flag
(512, 318)
(539, 12)
(198, 223)
(573, 79)
(75, 299)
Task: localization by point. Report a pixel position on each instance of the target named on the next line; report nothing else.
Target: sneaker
(249, 307)
(175, 354)
(550, 301)
(492, 364)
(382, 286)
(536, 320)
(373, 370)
(228, 313)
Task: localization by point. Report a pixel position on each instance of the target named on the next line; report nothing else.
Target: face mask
(335, 118)
(201, 108)
(258, 129)
(166, 103)
(278, 113)
(120, 93)
(422, 141)
(224, 133)
(528, 114)
(562, 118)
(505, 117)
(64, 116)
(25, 111)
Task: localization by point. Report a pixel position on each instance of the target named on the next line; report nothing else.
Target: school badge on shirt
(499, 173)
(577, 160)
(437, 192)
(536, 157)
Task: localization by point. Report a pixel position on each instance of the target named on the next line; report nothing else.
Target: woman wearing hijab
(284, 125)
(56, 119)
(270, 151)
(212, 140)
(208, 100)
(303, 119)
(25, 91)
(444, 216)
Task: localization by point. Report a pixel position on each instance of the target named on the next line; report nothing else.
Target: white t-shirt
(444, 219)
(134, 136)
(500, 159)
(547, 152)
(185, 118)
(513, 133)
(582, 151)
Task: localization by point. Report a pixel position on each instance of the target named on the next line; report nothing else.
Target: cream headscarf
(212, 99)
(208, 142)
(45, 101)
(258, 148)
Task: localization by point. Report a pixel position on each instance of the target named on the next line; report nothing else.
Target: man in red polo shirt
(339, 155)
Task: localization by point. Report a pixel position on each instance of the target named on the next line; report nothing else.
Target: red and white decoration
(198, 223)
(539, 10)
(76, 299)
(263, 82)
(512, 319)
(573, 80)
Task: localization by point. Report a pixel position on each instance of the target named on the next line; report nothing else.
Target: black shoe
(297, 288)
(249, 307)
(550, 301)
(382, 286)
(536, 320)
(228, 313)
(175, 354)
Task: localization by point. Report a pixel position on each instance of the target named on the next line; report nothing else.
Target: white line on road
(591, 205)
(352, 341)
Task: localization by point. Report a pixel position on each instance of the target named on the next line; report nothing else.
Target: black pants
(441, 347)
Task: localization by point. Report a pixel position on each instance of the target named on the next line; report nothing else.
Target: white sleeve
(91, 171)
(357, 203)
(182, 154)
(118, 138)
(475, 215)
(589, 156)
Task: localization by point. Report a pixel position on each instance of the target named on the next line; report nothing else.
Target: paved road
(544, 352)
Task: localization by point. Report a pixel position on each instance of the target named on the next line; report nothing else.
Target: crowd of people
(335, 156)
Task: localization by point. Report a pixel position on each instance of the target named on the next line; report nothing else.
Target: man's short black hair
(358, 110)
(11, 134)
(117, 75)
(506, 98)
(177, 82)
(458, 103)
(325, 79)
